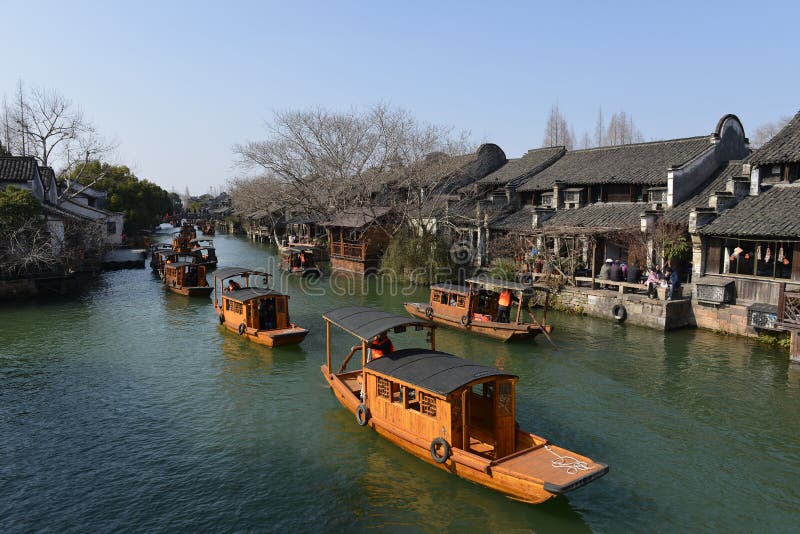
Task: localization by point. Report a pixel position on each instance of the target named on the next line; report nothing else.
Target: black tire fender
(242, 328)
(221, 319)
(619, 312)
(440, 458)
(362, 414)
(465, 320)
(428, 312)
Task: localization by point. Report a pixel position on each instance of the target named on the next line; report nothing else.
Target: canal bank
(130, 407)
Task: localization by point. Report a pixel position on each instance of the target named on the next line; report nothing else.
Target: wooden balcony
(789, 308)
(354, 251)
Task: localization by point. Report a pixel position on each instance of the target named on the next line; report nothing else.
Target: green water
(129, 408)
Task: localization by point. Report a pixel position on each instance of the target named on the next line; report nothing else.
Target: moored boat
(453, 413)
(300, 261)
(205, 252)
(260, 314)
(479, 307)
(186, 278)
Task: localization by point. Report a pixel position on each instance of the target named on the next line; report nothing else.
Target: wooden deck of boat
(542, 461)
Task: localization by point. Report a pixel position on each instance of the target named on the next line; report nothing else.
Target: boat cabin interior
(185, 274)
(257, 308)
(296, 259)
(204, 249)
(243, 296)
(458, 300)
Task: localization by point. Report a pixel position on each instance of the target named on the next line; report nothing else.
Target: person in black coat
(615, 272)
(634, 273)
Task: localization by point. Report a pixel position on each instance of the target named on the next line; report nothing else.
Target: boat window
(445, 298)
(428, 404)
(397, 393)
(411, 401)
(233, 306)
(383, 388)
(461, 302)
(504, 401)
(436, 296)
(485, 390)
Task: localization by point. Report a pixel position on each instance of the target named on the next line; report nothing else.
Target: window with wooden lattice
(428, 404)
(235, 307)
(384, 388)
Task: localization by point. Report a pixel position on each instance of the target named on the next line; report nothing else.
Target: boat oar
(544, 331)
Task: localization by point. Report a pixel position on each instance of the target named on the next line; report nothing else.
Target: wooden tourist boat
(165, 257)
(474, 308)
(155, 254)
(181, 242)
(300, 261)
(320, 252)
(187, 278)
(258, 313)
(207, 227)
(453, 413)
(205, 252)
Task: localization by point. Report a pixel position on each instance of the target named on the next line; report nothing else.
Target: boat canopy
(249, 293)
(230, 272)
(180, 264)
(452, 288)
(437, 372)
(366, 323)
(210, 242)
(495, 283)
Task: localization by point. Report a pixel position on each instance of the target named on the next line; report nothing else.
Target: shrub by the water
(422, 259)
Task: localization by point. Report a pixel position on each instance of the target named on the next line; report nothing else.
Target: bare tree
(46, 125)
(599, 129)
(586, 141)
(767, 131)
(322, 161)
(622, 130)
(557, 132)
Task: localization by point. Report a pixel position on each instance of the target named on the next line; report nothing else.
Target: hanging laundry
(737, 251)
(758, 252)
(780, 254)
(768, 255)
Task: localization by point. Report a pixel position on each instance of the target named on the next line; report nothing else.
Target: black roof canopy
(249, 293)
(366, 323)
(437, 372)
(230, 272)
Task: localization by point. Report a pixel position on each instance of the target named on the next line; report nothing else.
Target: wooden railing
(789, 308)
(349, 250)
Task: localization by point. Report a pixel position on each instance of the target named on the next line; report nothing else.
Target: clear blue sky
(177, 84)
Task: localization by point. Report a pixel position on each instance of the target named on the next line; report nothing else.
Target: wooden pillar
(594, 253)
(794, 346)
(328, 345)
(433, 338)
(519, 307)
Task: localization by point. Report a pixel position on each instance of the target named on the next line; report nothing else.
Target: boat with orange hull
(455, 414)
(260, 314)
(186, 278)
(475, 308)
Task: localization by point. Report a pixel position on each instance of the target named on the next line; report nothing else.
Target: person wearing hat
(604, 274)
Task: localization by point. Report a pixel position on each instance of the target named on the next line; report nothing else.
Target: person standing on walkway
(615, 272)
(674, 282)
(604, 271)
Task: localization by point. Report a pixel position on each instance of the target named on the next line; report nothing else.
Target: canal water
(130, 408)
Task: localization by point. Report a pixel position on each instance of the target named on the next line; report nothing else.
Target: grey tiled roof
(17, 169)
(773, 213)
(718, 181)
(520, 220)
(358, 217)
(640, 163)
(783, 148)
(612, 216)
(520, 168)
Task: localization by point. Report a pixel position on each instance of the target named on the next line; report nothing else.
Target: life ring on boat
(362, 415)
(619, 312)
(428, 312)
(440, 458)
(465, 320)
(242, 328)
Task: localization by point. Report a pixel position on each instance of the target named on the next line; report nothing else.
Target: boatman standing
(503, 305)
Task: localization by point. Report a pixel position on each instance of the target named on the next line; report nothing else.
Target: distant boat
(474, 308)
(258, 313)
(187, 278)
